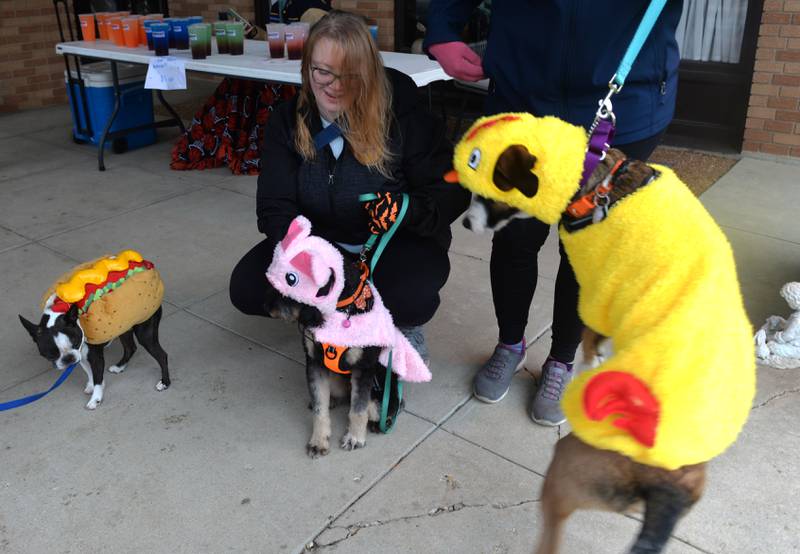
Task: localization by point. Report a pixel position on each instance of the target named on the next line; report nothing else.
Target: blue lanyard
(642, 32)
(32, 398)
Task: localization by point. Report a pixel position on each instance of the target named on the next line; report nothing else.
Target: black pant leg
(567, 325)
(513, 270)
(248, 285)
(409, 275)
(641, 149)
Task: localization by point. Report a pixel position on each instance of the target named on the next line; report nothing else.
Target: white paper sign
(166, 73)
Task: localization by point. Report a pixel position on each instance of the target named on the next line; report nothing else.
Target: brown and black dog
(581, 476)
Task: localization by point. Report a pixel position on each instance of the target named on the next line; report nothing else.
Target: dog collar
(586, 204)
(361, 295)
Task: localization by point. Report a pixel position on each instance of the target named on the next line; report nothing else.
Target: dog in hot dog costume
(110, 297)
(656, 275)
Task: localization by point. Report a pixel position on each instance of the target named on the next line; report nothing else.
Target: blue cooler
(135, 108)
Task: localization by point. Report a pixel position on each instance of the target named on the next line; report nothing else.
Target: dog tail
(664, 506)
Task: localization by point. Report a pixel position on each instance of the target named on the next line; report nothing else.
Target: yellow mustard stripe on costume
(658, 276)
(73, 290)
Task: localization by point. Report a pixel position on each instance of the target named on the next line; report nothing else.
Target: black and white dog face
(488, 215)
(58, 335)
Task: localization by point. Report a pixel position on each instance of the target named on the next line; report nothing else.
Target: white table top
(254, 64)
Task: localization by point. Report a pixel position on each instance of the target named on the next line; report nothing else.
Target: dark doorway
(718, 45)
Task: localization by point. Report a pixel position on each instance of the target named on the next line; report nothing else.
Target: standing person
(381, 143)
(555, 57)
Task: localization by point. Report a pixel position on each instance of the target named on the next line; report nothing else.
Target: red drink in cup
(294, 42)
(275, 38)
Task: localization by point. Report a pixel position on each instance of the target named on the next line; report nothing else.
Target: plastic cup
(197, 41)
(235, 32)
(130, 31)
(102, 32)
(221, 34)
(180, 33)
(115, 31)
(159, 32)
(294, 41)
(194, 19)
(275, 38)
(170, 34)
(88, 29)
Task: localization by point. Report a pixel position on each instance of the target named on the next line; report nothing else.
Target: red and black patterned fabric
(229, 128)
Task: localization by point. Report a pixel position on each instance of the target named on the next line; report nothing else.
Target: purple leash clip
(601, 133)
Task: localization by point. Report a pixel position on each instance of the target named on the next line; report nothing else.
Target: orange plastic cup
(88, 30)
(102, 30)
(115, 30)
(130, 31)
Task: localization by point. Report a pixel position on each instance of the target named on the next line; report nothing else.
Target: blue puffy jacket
(555, 57)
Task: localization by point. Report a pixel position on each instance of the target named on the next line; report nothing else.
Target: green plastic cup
(221, 34)
(235, 38)
(209, 33)
(198, 40)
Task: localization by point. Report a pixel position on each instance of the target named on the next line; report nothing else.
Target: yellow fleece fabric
(658, 277)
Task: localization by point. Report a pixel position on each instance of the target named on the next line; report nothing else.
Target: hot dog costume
(657, 275)
(302, 265)
(112, 293)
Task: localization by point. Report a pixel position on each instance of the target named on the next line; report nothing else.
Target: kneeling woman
(380, 143)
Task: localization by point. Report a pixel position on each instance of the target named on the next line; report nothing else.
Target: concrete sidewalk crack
(775, 397)
(353, 529)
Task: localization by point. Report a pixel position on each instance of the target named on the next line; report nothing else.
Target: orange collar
(585, 204)
(332, 358)
(362, 290)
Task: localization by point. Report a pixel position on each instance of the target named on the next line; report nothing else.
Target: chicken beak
(451, 176)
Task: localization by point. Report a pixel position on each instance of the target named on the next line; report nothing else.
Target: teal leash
(382, 243)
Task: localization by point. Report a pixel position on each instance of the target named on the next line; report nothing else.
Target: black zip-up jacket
(326, 189)
(555, 57)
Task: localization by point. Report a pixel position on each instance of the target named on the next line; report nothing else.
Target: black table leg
(172, 112)
(101, 146)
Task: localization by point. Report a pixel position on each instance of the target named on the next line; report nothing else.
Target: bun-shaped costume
(657, 275)
(112, 294)
(310, 270)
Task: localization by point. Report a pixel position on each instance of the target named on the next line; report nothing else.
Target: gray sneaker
(416, 336)
(492, 381)
(546, 407)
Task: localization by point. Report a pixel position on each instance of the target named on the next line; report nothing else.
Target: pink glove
(458, 60)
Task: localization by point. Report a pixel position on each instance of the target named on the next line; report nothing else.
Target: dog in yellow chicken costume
(657, 276)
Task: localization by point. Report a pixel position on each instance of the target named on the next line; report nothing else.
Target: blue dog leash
(34, 397)
(384, 240)
(602, 129)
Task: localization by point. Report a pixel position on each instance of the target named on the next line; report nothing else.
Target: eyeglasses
(325, 78)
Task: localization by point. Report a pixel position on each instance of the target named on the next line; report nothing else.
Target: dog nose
(467, 223)
(68, 359)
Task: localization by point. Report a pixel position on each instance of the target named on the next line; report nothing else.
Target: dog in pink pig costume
(353, 326)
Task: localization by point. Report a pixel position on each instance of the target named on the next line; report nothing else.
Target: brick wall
(380, 11)
(773, 116)
(31, 73)
(209, 11)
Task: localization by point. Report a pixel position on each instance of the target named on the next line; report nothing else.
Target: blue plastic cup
(180, 33)
(148, 31)
(194, 19)
(159, 32)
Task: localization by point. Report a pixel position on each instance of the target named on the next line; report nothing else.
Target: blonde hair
(365, 122)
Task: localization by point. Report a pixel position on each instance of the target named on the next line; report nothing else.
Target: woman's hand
(383, 211)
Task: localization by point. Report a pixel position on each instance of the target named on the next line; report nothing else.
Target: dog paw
(315, 450)
(161, 386)
(350, 442)
(92, 404)
(117, 368)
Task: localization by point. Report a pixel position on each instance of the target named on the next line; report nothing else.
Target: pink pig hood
(302, 265)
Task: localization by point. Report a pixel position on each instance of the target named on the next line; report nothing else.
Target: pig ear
(299, 228)
(312, 266)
